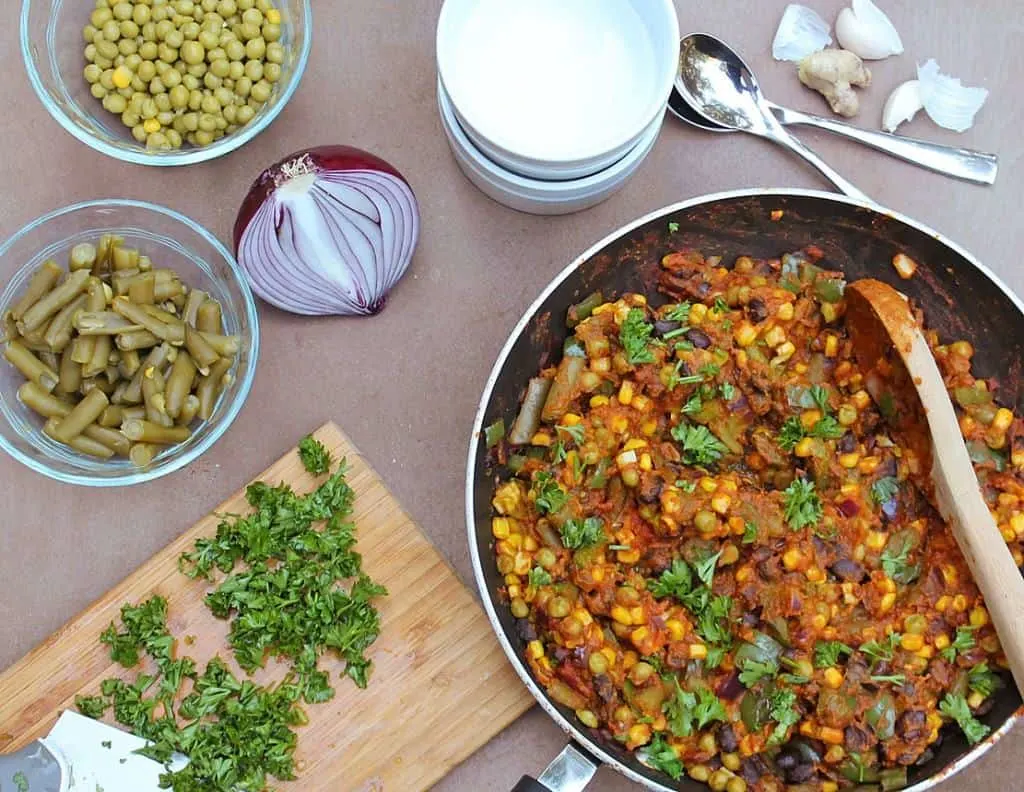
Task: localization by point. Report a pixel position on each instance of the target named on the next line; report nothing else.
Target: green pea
(100, 17)
(195, 100)
(192, 52)
(138, 84)
(207, 123)
(146, 70)
(203, 138)
(166, 118)
(140, 14)
(128, 29)
(227, 8)
(225, 97)
(163, 28)
(705, 521)
(254, 70)
(256, 48)
(139, 133)
(148, 31)
(236, 70)
(245, 5)
(127, 46)
(163, 102)
(135, 103)
(175, 39)
(190, 81)
(271, 31)
(132, 62)
(97, 90)
(245, 114)
(122, 11)
(103, 63)
(130, 118)
(212, 22)
(210, 105)
(162, 68)
(90, 52)
(230, 113)
(148, 50)
(197, 69)
(179, 97)
(149, 109)
(89, 33)
(210, 6)
(92, 73)
(212, 81)
(217, 53)
(243, 87)
(190, 30)
(209, 39)
(159, 13)
(171, 78)
(275, 53)
(248, 32)
(235, 50)
(261, 91)
(115, 103)
(167, 54)
(157, 140)
(174, 138)
(107, 49)
(185, 7)
(252, 16)
(190, 121)
(272, 72)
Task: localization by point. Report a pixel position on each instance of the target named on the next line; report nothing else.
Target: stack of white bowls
(551, 105)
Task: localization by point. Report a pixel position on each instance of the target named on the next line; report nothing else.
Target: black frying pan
(960, 298)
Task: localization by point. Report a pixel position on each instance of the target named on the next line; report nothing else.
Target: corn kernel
(1018, 459)
(514, 591)
(791, 558)
(637, 615)
(273, 16)
(833, 677)
(742, 574)
(621, 615)
(609, 655)
(888, 585)
(530, 544)
(542, 438)
(831, 346)
(805, 447)
(829, 786)
(601, 365)
(618, 424)
(500, 527)
(815, 574)
(584, 617)
(742, 358)
(698, 312)
(522, 564)
(720, 503)
(639, 734)
(646, 463)
(942, 603)
(775, 336)
(847, 414)
(809, 418)
(122, 77)
(745, 334)
(927, 652)
(1002, 421)
(151, 125)
(675, 628)
(849, 461)
(597, 574)
(959, 603)
(535, 649)
(974, 700)
(698, 651)
(628, 556)
(819, 620)
(869, 465)
(708, 484)
(949, 574)
(962, 349)
(634, 443)
(639, 635)
(641, 403)
(649, 427)
(941, 641)
(785, 312)
(729, 485)
(626, 392)
(979, 617)
(1007, 533)
(912, 642)
(887, 603)
(730, 554)
(800, 368)
(1017, 523)
(599, 401)
(876, 539)
(783, 352)
(861, 399)
(829, 735)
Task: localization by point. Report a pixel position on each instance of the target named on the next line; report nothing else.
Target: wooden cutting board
(441, 686)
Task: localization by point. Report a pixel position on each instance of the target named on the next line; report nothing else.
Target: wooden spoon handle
(957, 491)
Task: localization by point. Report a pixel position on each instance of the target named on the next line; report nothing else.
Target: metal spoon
(702, 53)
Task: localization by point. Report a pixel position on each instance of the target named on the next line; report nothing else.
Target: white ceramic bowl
(557, 90)
(534, 195)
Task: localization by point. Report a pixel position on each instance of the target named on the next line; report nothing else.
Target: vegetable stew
(720, 554)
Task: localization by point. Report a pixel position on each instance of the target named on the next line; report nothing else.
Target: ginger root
(833, 73)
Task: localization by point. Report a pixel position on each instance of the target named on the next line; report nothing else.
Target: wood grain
(441, 686)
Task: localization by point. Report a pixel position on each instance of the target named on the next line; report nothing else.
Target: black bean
(757, 310)
(753, 768)
(911, 725)
(800, 773)
(768, 570)
(888, 467)
(847, 443)
(698, 338)
(727, 739)
(703, 289)
(849, 570)
(856, 739)
(662, 326)
(986, 706)
(604, 688)
(526, 630)
(650, 489)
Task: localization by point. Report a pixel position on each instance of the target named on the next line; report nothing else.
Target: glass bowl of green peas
(165, 82)
(158, 248)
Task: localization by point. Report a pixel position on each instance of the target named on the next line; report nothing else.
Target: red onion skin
(336, 158)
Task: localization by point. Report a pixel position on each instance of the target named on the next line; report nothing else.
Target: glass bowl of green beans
(159, 242)
(165, 82)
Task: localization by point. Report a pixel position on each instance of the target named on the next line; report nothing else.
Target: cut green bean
(117, 397)
(179, 383)
(136, 340)
(81, 350)
(81, 444)
(145, 264)
(142, 454)
(82, 257)
(209, 318)
(149, 432)
(18, 355)
(121, 282)
(223, 345)
(69, 374)
(172, 333)
(168, 286)
(100, 352)
(41, 401)
(153, 385)
(102, 263)
(58, 332)
(193, 301)
(202, 353)
(189, 410)
(97, 383)
(111, 438)
(130, 362)
(124, 259)
(82, 415)
(156, 358)
(142, 289)
(136, 412)
(41, 283)
(73, 285)
(89, 323)
(210, 387)
(50, 360)
(112, 416)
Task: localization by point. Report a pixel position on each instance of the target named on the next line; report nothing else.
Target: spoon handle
(783, 138)
(974, 166)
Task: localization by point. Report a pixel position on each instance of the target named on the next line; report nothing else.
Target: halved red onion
(328, 230)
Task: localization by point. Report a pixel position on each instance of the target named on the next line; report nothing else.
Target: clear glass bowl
(53, 49)
(171, 240)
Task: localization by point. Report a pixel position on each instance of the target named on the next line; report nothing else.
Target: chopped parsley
(716, 654)
(720, 306)
(20, 781)
(711, 612)
(706, 569)
(782, 709)
(689, 487)
(826, 653)
(673, 226)
(728, 391)
(676, 581)
(315, 456)
(548, 493)
(894, 560)
(819, 395)
(956, 708)
(539, 577)
(693, 405)
(700, 446)
(962, 642)
(983, 680)
(575, 433)
(749, 532)
(712, 618)
(881, 650)
(896, 679)
(661, 756)
(802, 504)
(577, 534)
(685, 710)
(753, 671)
(827, 428)
(885, 489)
(679, 313)
(791, 433)
(677, 378)
(635, 335)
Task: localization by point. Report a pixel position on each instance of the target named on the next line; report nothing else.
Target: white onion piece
(865, 30)
(327, 231)
(947, 102)
(801, 32)
(902, 105)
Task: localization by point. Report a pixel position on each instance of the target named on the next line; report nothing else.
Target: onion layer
(327, 231)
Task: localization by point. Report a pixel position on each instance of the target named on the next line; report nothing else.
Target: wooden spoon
(914, 399)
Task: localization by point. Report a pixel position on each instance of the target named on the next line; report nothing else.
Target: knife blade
(83, 755)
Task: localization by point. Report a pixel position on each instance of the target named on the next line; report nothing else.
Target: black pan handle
(570, 771)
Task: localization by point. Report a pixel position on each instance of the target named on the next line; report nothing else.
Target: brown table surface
(405, 384)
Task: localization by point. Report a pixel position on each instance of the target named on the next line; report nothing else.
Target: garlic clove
(801, 33)
(866, 30)
(948, 103)
(902, 105)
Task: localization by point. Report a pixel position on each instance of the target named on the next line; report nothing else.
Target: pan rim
(573, 731)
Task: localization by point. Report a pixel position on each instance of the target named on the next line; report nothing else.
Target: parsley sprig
(577, 534)
(314, 455)
(700, 446)
(635, 337)
(802, 504)
(956, 708)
